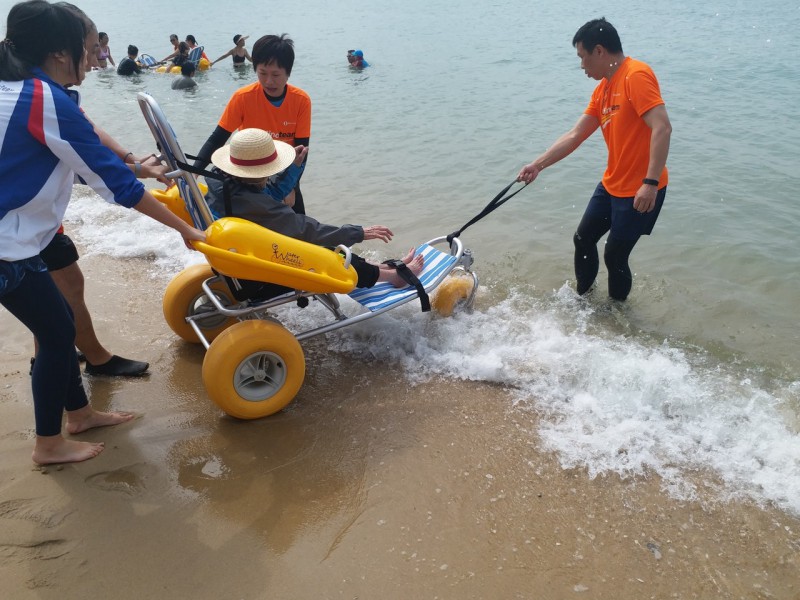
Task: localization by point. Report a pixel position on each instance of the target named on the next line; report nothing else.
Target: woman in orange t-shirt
(270, 104)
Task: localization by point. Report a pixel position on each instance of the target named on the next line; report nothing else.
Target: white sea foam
(116, 231)
(606, 402)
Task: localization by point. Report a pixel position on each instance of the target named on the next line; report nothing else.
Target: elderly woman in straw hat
(249, 161)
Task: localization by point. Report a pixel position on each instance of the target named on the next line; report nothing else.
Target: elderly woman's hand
(377, 232)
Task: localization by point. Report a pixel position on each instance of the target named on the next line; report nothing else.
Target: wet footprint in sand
(35, 510)
(23, 553)
(128, 480)
(19, 543)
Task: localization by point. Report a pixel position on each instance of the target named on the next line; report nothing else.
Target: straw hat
(253, 154)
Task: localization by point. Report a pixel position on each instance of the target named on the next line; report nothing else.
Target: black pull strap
(192, 169)
(226, 192)
(495, 203)
(406, 275)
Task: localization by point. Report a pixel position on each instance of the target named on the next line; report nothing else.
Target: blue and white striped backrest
(195, 55)
(147, 60)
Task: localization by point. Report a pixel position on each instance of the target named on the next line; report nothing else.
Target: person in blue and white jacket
(45, 140)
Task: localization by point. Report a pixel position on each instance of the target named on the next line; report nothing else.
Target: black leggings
(606, 213)
(56, 379)
(615, 256)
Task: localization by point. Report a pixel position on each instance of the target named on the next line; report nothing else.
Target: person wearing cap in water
(249, 161)
(239, 53)
(356, 59)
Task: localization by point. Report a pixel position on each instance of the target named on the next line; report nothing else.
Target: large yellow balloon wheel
(452, 291)
(254, 369)
(184, 297)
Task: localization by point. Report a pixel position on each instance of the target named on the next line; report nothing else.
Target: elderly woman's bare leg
(390, 275)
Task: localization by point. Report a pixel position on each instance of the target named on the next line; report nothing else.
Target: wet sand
(365, 487)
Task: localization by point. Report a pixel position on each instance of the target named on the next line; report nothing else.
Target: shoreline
(365, 486)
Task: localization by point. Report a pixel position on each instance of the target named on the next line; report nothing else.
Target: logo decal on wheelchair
(287, 258)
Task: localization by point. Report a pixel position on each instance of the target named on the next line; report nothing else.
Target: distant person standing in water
(182, 56)
(104, 52)
(191, 41)
(175, 41)
(628, 107)
(238, 52)
(270, 104)
(186, 81)
(128, 65)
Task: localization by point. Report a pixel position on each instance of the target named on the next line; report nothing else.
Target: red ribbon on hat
(255, 162)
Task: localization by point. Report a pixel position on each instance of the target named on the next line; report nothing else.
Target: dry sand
(365, 487)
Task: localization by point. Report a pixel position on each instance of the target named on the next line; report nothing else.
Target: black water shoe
(118, 367)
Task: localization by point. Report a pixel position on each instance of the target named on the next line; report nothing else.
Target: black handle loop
(495, 203)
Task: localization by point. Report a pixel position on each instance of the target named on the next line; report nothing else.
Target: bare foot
(54, 449)
(88, 418)
(406, 259)
(390, 275)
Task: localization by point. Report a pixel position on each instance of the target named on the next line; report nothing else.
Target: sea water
(696, 377)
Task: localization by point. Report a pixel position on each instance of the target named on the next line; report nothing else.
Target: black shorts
(59, 253)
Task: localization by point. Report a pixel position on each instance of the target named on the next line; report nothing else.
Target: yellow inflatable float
(171, 198)
(175, 69)
(244, 250)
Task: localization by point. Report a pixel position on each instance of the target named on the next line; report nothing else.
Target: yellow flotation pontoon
(202, 65)
(244, 250)
(169, 68)
(171, 198)
(254, 366)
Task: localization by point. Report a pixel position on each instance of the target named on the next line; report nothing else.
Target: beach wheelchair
(253, 365)
(147, 61)
(195, 57)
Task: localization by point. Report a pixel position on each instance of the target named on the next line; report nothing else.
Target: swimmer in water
(238, 52)
(356, 59)
(103, 52)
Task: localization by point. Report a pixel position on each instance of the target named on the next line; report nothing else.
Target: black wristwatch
(647, 181)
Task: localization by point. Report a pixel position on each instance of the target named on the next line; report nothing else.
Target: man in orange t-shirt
(628, 108)
(270, 104)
